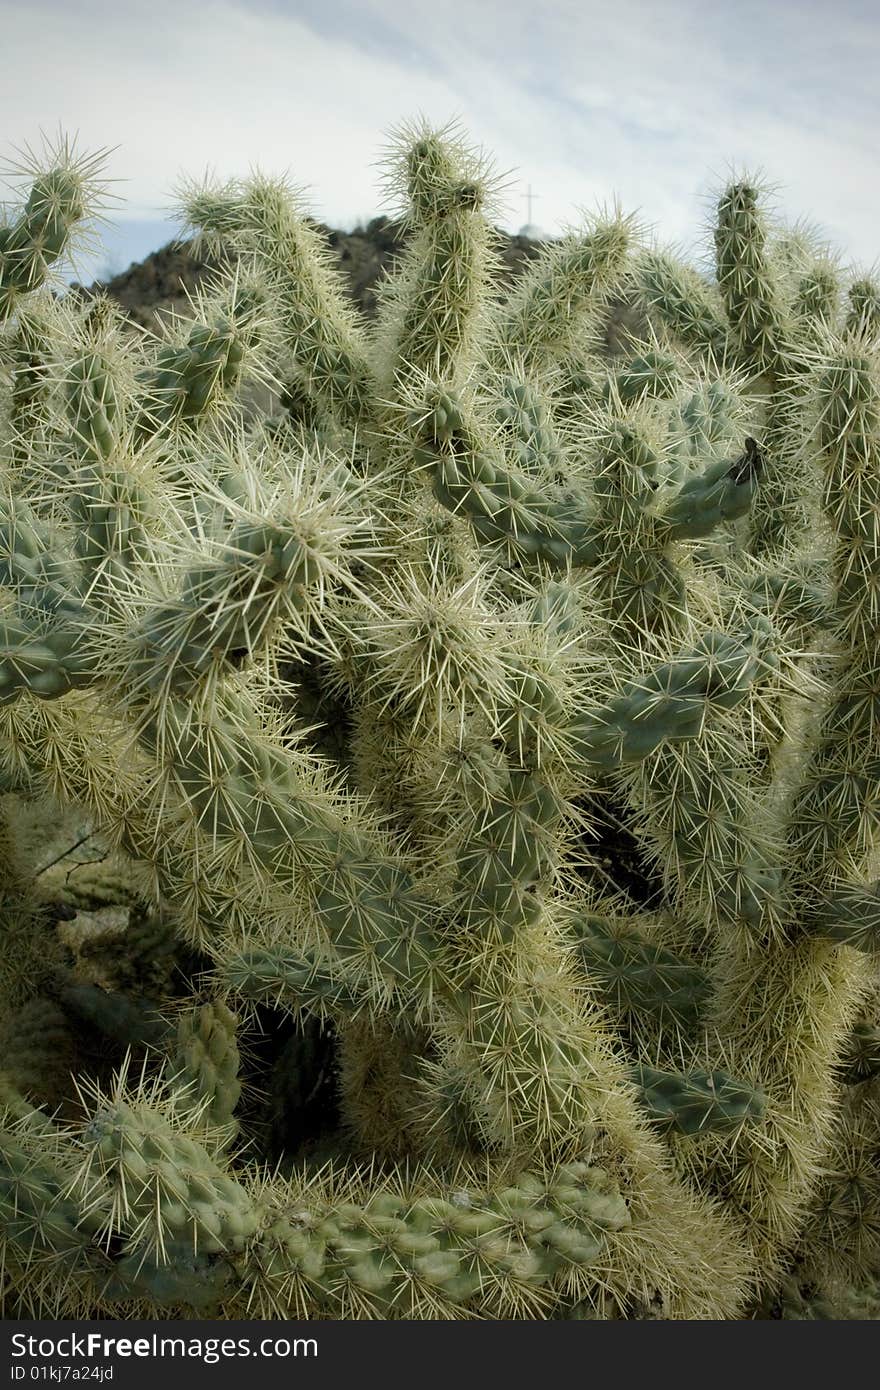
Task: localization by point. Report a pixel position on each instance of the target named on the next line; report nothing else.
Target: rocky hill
(158, 285)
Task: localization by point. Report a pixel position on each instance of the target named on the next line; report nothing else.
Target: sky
(650, 102)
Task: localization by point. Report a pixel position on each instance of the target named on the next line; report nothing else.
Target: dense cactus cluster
(483, 747)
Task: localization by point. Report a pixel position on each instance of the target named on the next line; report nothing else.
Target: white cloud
(585, 100)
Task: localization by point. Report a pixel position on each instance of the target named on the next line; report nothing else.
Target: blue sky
(647, 102)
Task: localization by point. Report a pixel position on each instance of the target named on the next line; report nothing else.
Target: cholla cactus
(522, 583)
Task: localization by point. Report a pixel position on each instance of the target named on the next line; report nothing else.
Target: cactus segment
(205, 1065)
(640, 978)
(699, 1102)
(669, 704)
(499, 505)
(851, 915)
(723, 492)
(30, 245)
(543, 316)
(744, 278)
(861, 1059)
(449, 1251)
(684, 303)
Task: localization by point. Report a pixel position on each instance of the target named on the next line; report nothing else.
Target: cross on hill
(529, 230)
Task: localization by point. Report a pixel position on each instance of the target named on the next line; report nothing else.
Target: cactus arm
(639, 978)
(863, 316)
(860, 1060)
(544, 315)
(267, 573)
(669, 703)
(640, 577)
(301, 983)
(106, 502)
(816, 298)
(697, 1102)
(748, 287)
(790, 598)
(25, 354)
(241, 793)
(43, 648)
(684, 304)
(261, 218)
(127, 1019)
(49, 1239)
(708, 417)
(59, 199)
(44, 662)
(843, 770)
(205, 1065)
(851, 915)
(500, 506)
(652, 375)
(801, 978)
(30, 558)
(188, 380)
(723, 492)
(524, 414)
(429, 316)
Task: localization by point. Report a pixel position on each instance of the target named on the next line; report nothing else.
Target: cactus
(381, 1031)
